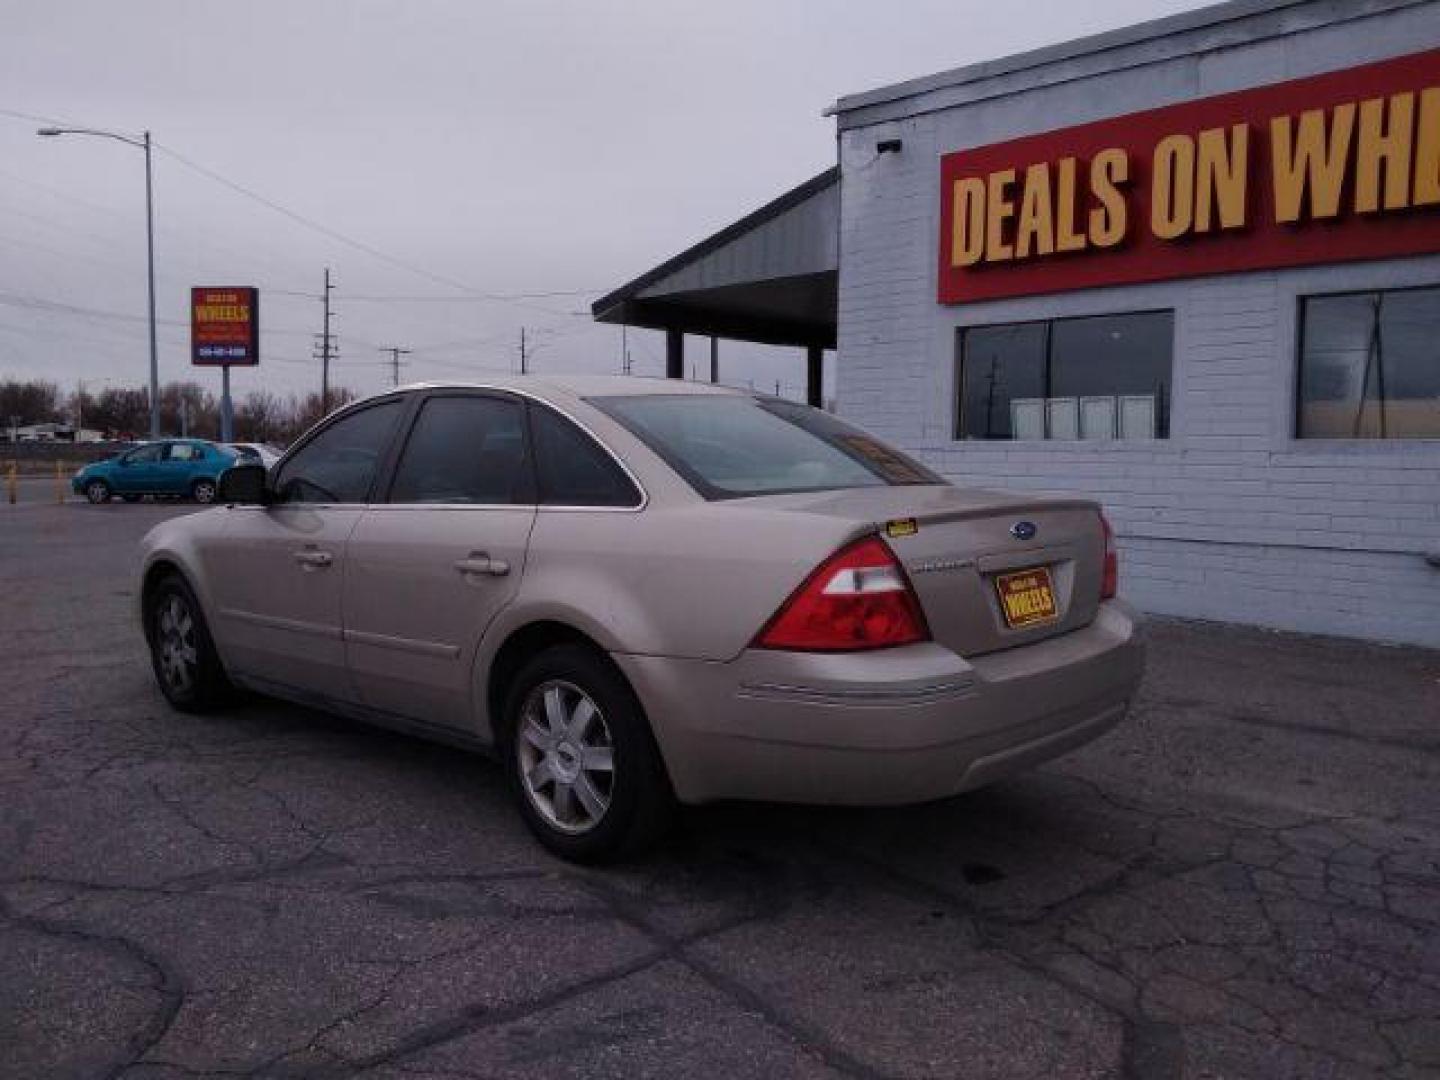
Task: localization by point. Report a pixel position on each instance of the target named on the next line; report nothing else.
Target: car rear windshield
(732, 447)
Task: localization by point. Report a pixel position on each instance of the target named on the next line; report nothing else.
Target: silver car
(639, 592)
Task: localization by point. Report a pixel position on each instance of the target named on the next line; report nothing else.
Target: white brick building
(1289, 484)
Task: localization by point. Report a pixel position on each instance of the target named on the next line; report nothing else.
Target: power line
(36, 303)
(518, 299)
(113, 216)
(301, 219)
(350, 241)
(414, 299)
(58, 307)
(36, 118)
(463, 365)
(461, 343)
(65, 196)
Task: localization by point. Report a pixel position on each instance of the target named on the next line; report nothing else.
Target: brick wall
(1232, 517)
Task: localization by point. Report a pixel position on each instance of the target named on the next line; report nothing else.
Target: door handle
(478, 563)
(317, 559)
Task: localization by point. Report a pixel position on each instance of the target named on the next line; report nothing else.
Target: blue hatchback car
(173, 467)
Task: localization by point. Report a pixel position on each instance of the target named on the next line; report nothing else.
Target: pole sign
(1335, 167)
(225, 326)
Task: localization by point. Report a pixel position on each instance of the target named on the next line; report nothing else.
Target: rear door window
(465, 449)
(572, 468)
(183, 452)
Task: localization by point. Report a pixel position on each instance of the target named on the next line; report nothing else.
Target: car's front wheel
(97, 491)
(182, 652)
(203, 491)
(582, 762)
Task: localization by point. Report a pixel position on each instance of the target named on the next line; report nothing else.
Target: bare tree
(124, 412)
(120, 412)
(32, 402)
(188, 408)
(260, 417)
(307, 411)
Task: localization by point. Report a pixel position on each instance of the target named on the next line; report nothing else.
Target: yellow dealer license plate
(1026, 597)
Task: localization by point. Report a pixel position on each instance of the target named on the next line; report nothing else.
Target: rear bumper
(889, 727)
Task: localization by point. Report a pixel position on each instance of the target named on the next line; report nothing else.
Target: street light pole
(142, 143)
(150, 275)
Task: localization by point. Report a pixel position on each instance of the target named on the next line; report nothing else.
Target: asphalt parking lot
(1243, 880)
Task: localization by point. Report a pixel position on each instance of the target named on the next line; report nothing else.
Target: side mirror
(244, 484)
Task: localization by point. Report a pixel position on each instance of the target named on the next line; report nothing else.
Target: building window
(1370, 365)
(1100, 377)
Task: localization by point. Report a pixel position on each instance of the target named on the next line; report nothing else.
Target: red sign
(225, 326)
(1325, 169)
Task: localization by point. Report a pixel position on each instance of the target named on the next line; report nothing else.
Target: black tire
(97, 491)
(640, 800)
(204, 491)
(174, 625)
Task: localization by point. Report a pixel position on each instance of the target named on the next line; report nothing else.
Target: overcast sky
(502, 146)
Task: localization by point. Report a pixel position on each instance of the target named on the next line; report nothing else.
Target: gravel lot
(1241, 881)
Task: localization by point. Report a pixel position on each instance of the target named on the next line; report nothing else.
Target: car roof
(584, 386)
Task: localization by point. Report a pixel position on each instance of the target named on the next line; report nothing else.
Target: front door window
(341, 462)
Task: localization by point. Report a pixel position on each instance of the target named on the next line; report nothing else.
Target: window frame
(958, 399)
(385, 462)
(415, 400)
(711, 493)
(533, 406)
(1299, 440)
(132, 457)
(385, 490)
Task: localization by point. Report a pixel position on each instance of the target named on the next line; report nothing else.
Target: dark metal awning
(771, 277)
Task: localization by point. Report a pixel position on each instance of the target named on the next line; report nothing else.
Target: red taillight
(857, 599)
(1110, 581)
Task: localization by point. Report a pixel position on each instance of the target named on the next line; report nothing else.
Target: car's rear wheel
(203, 491)
(582, 762)
(182, 652)
(97, 491)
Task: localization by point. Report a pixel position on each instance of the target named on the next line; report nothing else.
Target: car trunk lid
(962, 546)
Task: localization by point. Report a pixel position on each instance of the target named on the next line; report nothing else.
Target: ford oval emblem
(1023, 530)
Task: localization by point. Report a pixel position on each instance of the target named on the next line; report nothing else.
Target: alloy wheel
(566, 756)
(175, 643)
(204, 492)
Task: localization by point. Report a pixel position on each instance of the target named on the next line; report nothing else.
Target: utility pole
(327, 349)
(395, 353)
(523, 368)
